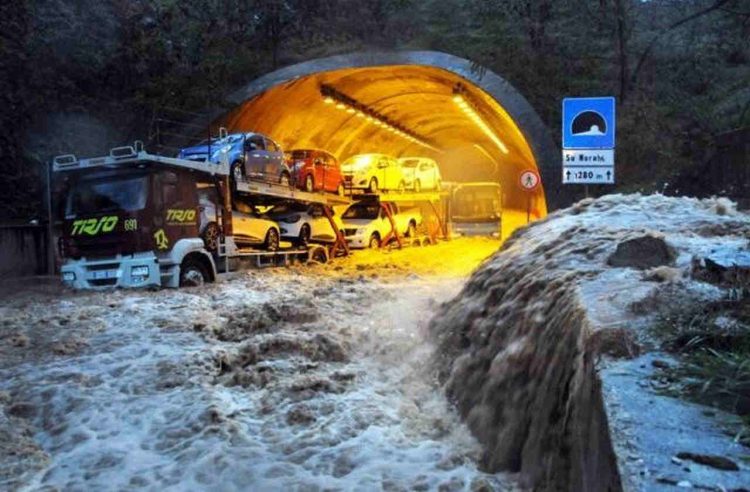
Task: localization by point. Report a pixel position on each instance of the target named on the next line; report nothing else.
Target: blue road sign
(588, 123)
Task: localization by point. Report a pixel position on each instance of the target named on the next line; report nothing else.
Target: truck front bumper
(136, 270)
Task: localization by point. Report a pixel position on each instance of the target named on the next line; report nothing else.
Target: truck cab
(133, 220)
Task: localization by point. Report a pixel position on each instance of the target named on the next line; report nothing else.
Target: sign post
(588, 129)
(529, 181)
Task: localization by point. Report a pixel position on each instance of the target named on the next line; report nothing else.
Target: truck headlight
(68, 276)
(139, 273)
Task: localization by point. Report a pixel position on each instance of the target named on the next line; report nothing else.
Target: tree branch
(715, 6)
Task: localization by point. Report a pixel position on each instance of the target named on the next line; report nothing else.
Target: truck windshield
(113, 193)
(362, 212)
(477, 204)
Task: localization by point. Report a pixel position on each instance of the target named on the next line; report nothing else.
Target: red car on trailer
(315, 170)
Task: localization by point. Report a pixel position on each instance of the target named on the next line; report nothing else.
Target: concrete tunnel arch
(414, 89)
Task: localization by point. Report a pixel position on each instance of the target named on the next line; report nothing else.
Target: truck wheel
(192, 274)
(211, 236)
(309, 184)
(284, 179)
(412, 230)
(373, 188)
(272, 240)
(417, 186)
(304, 234)
(374, 241)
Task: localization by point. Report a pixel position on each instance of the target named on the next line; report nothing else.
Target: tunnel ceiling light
(461, 98)
(351, 105)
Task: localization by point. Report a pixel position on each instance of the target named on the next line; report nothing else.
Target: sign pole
(529, 181)
(528, 207)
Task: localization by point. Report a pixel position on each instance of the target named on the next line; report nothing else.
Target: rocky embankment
(521, 349)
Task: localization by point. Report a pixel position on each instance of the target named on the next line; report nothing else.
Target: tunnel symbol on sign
(589, 123)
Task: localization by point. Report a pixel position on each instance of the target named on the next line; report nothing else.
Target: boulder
(642, 253)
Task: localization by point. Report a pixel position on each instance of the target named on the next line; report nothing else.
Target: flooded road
(270, 380)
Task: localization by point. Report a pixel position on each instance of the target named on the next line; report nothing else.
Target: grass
(713, 344)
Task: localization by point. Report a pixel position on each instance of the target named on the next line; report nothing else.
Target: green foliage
(713, 340)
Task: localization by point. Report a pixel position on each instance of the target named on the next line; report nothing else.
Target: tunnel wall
(545, 152)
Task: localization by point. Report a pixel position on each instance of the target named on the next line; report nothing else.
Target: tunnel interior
(402, 110)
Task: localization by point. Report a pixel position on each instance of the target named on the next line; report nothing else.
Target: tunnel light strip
(352, 106)
(462, 101)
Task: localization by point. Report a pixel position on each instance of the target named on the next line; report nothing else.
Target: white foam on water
(141, 406)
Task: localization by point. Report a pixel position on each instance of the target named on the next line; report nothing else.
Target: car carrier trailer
(132, 219)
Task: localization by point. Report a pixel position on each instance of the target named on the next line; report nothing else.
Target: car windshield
(113, 193)
(410, 163)
(477, 204)
(362, 212)
(300, 154)
(359, 161)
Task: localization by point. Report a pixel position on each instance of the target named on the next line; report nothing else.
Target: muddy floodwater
(310, 378)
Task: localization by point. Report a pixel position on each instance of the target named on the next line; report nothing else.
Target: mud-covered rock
(642, 252)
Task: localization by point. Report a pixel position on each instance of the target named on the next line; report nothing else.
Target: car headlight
(139, 272)
(292, 219)
(361, 231)
(69, 276)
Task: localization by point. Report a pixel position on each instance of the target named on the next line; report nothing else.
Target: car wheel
(373, 188)
(340, 190)
(272, 240)
(192, 273)
(210, 236)
(374, 241)
(284, 179)
(417, 186)
(304, 234)
(401, 186)
(412, 230)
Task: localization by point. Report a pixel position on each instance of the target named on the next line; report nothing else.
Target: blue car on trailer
(249, 155)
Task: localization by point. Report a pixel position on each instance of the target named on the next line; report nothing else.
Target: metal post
(48, 206)
(528, 207)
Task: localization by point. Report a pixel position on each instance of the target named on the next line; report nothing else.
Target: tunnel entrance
(470, 120)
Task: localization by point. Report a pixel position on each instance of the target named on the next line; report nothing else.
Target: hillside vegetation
(82, 75)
